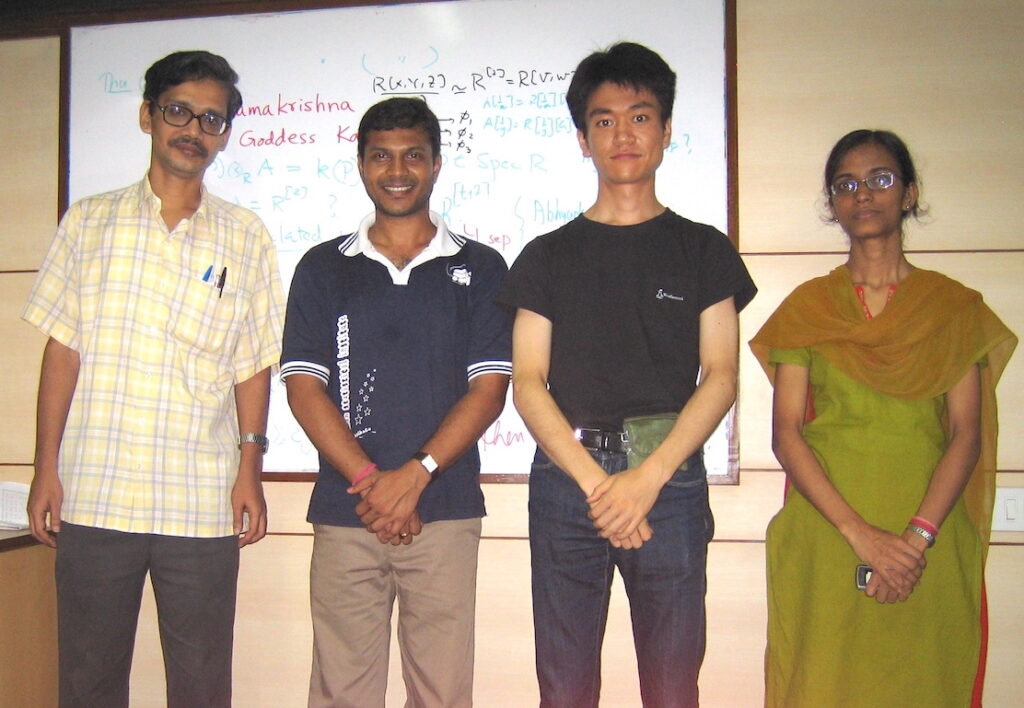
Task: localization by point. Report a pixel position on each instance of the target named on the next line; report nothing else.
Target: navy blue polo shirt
(396, 350)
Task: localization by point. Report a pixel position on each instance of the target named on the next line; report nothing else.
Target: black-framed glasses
(179, 116)
(877, 182)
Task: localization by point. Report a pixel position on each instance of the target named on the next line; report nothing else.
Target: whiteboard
(494, 71)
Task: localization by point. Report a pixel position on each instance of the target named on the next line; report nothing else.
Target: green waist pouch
(645, 433)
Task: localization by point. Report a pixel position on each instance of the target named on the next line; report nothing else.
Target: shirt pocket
(204, 314)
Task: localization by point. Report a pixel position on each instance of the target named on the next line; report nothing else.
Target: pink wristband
(925, 524)
(366, 471)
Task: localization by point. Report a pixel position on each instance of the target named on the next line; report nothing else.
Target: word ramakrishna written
(284, 107)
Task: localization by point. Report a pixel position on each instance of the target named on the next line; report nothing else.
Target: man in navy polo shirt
(617, 311)
(396, 359)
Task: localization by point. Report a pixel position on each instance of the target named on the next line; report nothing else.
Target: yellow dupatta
(923, 343)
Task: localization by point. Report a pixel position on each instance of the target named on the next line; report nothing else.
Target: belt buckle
(603, 440)
(609, 437)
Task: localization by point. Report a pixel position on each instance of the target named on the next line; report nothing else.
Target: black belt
(618, 441)
(606, 440)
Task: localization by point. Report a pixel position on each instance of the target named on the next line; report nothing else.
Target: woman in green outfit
(884, 420)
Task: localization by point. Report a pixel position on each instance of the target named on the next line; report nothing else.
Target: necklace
(859, 289)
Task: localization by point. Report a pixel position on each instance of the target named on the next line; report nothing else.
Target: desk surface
(10, 540)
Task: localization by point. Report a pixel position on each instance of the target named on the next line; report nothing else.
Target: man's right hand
(45, 497)
(590, 483)
(392, 498)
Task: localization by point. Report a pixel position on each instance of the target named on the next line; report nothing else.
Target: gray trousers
(100, 575)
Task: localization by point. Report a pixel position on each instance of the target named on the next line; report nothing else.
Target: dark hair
(886, 140)
(395, 113)
(179, 67)
(626, 64)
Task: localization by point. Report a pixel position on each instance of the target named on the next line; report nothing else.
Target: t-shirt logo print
(661, 295)
(460, 274)
(363, 410)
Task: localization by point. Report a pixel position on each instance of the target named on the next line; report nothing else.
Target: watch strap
(428, 462)
(260, 440)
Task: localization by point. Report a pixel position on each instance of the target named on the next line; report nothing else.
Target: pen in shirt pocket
(220, 282)
(207, 274)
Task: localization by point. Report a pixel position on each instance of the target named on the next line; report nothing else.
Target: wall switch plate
(1008, 514)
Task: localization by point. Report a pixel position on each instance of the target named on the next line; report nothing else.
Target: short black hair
(888, 141)
(400, 112)
(626, 64)
(194, 65)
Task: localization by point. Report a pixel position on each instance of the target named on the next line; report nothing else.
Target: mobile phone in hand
(863, 576)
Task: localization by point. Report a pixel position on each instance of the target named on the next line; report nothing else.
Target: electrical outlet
(1008, 514)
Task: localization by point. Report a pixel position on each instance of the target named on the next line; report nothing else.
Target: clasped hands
(389, 499)
(897, 562)
(619, 505)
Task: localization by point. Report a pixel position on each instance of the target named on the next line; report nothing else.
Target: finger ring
(403, 535)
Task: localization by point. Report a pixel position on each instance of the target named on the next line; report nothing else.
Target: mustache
(191, 141)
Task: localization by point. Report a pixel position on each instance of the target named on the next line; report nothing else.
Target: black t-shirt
(625, 304)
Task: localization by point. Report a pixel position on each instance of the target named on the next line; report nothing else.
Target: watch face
(427, 461)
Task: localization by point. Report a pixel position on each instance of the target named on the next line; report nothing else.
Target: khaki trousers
(354, 581)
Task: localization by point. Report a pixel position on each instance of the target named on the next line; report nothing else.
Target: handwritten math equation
(489, 78)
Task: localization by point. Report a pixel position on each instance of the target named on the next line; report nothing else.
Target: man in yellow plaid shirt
(163, 307)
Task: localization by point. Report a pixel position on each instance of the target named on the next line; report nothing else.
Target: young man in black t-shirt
(617, 311)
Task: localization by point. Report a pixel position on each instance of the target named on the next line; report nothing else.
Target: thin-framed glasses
(179, 116)
(879, 181)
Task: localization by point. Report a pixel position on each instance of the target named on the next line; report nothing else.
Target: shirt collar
(149, 199)
(443, 244)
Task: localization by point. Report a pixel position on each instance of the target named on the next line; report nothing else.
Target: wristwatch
(260, 440)
(428, 462)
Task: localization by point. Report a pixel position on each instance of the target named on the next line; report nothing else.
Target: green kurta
(828, 643)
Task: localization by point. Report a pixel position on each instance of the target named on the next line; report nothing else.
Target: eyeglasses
(877, 182)
(179, 116)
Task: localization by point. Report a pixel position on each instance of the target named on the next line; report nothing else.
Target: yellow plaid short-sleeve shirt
(151, 440)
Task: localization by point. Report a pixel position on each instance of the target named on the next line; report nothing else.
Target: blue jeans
(665, 582)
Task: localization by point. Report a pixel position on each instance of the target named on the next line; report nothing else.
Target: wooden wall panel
(16, 473)
(29, 118)
(776, 276)
(945, 76)
(997, 276)
(19, 361)
(1004, 680)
